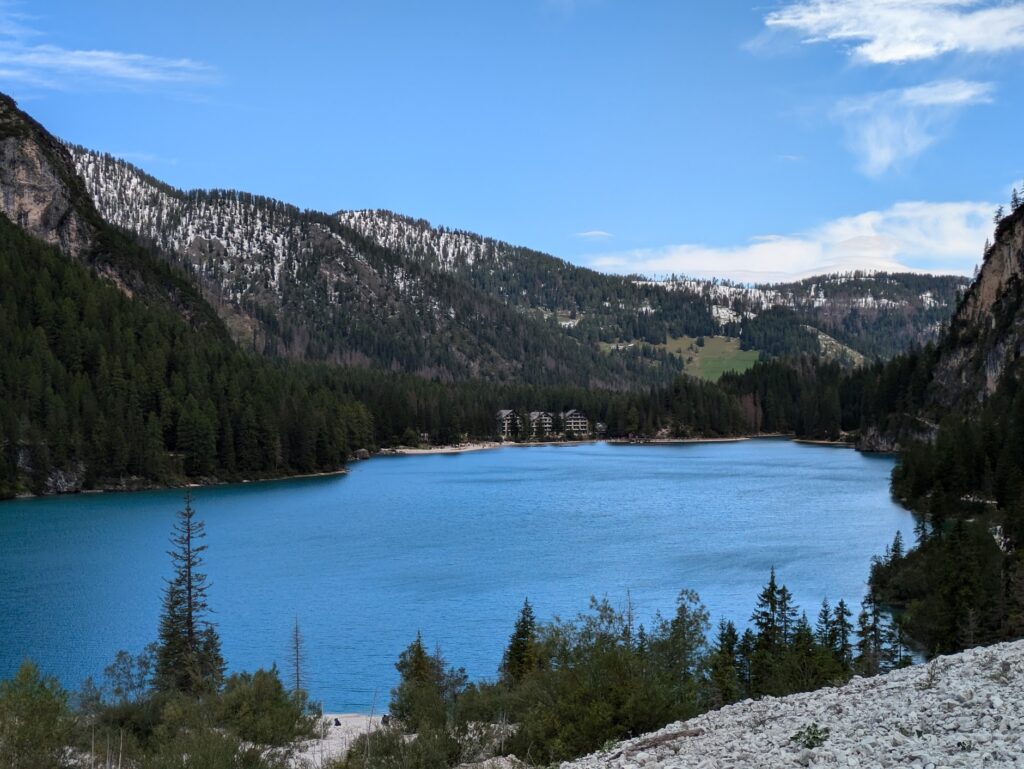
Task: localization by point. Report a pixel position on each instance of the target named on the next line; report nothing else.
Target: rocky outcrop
(965, 710)
(873, 440)
(986, 336)
(68, 480)
(33, 197)
(38, 188)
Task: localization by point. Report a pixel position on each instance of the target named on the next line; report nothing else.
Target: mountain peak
(39, 188)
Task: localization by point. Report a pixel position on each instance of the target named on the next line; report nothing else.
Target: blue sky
(736, 139)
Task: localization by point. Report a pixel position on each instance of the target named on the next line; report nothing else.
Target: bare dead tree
(298, 657)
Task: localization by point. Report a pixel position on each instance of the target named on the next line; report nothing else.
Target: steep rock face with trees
(986, 336)
(962, 468)
(115, 371)
(38, 189)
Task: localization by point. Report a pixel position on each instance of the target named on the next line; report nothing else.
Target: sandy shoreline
(337, 738)
(463, 448)
(455, 449)
(670, 441)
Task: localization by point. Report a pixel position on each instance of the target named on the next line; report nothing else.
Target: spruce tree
(188, 657)
(824, 630)
(870, 635)
(843, 629)
(724, 674)
(766, 616)
(521, 654)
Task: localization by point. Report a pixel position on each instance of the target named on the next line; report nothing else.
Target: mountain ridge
(317, 289)
(266, 264)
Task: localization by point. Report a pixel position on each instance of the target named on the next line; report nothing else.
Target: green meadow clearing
(718, 355)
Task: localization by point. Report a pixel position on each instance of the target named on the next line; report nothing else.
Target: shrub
(258, 709)
(35, 722)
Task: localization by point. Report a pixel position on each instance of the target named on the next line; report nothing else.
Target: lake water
(446, 544)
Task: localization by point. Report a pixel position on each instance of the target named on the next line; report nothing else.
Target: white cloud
(887, 128)
(895, 31)
(912, 236)
(24, 60)
(594, 235)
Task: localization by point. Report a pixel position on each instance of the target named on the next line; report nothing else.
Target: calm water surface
(446, 544)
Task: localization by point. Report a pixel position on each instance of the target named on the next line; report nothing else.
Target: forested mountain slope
(305, 285)
(115, 371)
(962, 466)
(41, 192)
(590, 305)
(377, 288)
(878, 315)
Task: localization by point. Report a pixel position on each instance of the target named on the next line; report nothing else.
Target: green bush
(391, 749)
(256, 707)
(211, 749)
(35, 722)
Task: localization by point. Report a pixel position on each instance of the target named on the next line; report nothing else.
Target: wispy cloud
(911, 236)
(26, 59)
(888, 128)
(895, 31)
(594, 235)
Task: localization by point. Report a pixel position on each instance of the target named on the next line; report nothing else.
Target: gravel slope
(964, 710)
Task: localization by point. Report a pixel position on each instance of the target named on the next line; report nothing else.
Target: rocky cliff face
(36, 192)
(986, 337)
(42, 192)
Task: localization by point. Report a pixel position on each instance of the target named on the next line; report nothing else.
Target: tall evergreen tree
(188, 655)
(724, 675)
(843, 630)
(521, 654)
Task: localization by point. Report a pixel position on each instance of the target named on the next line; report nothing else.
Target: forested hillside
(305, 285)
(374, 288)
(99, 389)
(134, 377)
(963, 469)
(117, 372)
(878, 315)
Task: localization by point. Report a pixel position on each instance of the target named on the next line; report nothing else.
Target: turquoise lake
(449, 545)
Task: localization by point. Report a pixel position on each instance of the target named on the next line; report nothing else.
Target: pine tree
(787, 615)
(824, 630)
(188, 651)
(724, 676)
(896, 552)
(766, 616)
(521, 654)
(843, 630)
(870, 636)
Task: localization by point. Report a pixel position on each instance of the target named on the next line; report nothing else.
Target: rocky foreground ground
(965, 710)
